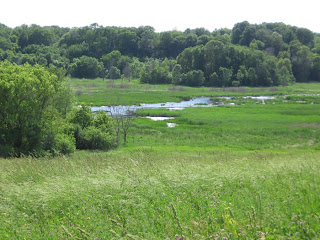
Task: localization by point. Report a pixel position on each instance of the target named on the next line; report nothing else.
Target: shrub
(65, 144)
(92, 130)
(95, 138)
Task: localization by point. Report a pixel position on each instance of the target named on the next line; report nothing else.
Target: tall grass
(145, 194)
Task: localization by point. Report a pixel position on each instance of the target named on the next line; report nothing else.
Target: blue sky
(162, 15)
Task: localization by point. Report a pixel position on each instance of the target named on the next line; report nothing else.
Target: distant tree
(248, 35)
(77, 50)
(302, 59)
(305, 36)
(160, 75)
(147, 42)
(252, 77)
(135, 67)
(315, 73)
(240, 76)
(85, 67)
(237, 32)
(203, 39)
(114, 73)
(41, 36)
(176, 74)
(214, 57)
(128, 43)
(225, 76)
(193, 78)
(213, 80)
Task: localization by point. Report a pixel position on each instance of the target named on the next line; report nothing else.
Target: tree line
(248, 55)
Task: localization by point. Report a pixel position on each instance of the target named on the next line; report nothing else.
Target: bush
(95, 138)
(92, 130)
(65, 144)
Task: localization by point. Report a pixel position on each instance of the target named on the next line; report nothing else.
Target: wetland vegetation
(246, 168)
(229, 172)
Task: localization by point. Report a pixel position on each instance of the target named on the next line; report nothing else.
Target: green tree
(225, 76)
(77, 50)
(160, 75)
(114, 73)
(302, 61)
(193, 78)
(85, 67)
(240, 76)
(315, 73)
(213, 80)
(176, 74)
(28, 107)
(214, 57)
(252, 77)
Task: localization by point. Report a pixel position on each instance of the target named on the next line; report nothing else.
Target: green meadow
(246, 170)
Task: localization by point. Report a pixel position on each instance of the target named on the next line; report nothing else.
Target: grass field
(249, 171)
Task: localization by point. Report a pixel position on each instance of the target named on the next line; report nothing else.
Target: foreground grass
(148, 194)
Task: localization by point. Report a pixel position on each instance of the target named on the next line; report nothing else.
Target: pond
(195, 102)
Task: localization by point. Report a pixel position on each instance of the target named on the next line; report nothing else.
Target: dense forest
(267, 54)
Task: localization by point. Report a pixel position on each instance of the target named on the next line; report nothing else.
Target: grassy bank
(246, 171)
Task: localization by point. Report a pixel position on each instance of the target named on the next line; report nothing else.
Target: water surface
(195, 102)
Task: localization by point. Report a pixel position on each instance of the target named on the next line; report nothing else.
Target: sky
(163, 15)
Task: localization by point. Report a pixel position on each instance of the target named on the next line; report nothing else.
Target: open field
(249, 171)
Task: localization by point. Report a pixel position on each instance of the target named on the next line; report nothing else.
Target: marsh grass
(249, 127)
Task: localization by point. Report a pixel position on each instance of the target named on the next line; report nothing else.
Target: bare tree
(123, 117)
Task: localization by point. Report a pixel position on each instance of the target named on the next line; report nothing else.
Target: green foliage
(29, 102)
(92, 130)
(80, 50)
(114, 73)
(160, 75)
(94, 138)
(85, 67)
(82, 116)
(77, 50)
(192, 78)
(65, 144)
